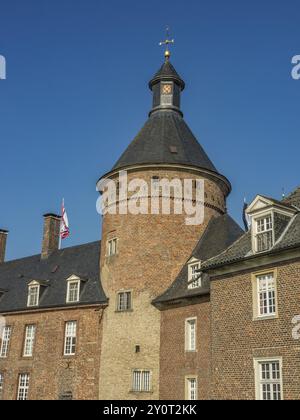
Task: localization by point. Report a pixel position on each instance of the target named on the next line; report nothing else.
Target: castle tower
(142, 253)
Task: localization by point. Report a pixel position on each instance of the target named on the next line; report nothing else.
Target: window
(194, 276)
(191, 388)
(23, 386)
(141, 381)
(33, 295)
(268, 380)
(73, 291)
(166, 94)
(190, 334)
(6, 334)
(1, 385)
(264, 233)
(266, 295)
(29, 340)
(124, 301)
(70, 338)
(112, 247)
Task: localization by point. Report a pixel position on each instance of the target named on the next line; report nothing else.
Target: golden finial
(166, 43)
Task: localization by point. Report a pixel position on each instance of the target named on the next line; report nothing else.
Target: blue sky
(76, 94)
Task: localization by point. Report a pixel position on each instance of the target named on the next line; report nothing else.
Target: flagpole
(59, 243)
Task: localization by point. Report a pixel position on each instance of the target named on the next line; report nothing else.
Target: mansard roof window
(33, 294)
(264, 233)
(194, 275)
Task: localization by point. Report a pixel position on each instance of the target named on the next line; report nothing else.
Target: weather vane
(167, 42)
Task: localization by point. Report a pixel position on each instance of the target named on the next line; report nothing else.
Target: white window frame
(259, 381)
(266, 228)
(191, 388)
(191, 334)
(192, 275)
(35, 303)
(5, 341)
(70, 339)
(71, 282)
(23, 386)
(29, 340)
(141, 380)
(112, 247)
(1, 385)
(266, 293)
(124, 305)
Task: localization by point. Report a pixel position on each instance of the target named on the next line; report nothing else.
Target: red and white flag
(64, 224)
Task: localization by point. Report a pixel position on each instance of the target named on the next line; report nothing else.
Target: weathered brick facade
(52, 375)
(237, 338)
(176, 363)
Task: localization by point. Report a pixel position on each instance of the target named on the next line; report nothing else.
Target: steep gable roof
(82, 260)
(219, 234)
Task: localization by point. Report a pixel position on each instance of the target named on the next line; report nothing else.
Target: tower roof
(165, 138)
(167, 72)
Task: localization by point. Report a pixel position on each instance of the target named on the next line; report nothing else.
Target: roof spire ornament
(167, 42)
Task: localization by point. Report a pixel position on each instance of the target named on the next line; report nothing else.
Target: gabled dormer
(36, 289)
(74, 288)
(194, 274)
(268, 219)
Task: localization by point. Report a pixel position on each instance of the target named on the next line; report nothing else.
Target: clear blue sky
(76, 94)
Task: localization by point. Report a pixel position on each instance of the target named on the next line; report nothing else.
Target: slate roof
(167, 72)
(82, 260)
(293, 198)
(153, 143)
(242, 248)
(221, 232)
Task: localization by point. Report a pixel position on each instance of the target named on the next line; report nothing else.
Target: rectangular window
(70, 338)
(269, 380)
(264, 234)
(191, 389)
(141, 381)
(73, 292)
(33, 295)
(124, 301)
(112, 247)
(266, 289)
(194, 276)
(6, 334)
(29, 340)
(1, 385)
(190, 334)
(23, 386)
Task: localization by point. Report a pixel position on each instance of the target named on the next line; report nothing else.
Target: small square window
(141, 381)
(112, 247)
(124, 301)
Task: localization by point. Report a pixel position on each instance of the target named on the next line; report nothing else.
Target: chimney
(3, 238)
(50, 235)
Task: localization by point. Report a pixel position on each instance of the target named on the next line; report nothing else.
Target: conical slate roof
(165, 138)
(167, 72)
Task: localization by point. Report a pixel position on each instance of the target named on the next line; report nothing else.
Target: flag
(64, 224)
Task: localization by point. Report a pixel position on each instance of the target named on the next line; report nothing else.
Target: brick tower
(142, 253)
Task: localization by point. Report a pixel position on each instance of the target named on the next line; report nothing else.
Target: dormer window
(73, 289)
(264, 233)
(33, 295)
(194, 276)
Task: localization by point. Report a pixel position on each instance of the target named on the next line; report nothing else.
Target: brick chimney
(3, 238)
(50, 235)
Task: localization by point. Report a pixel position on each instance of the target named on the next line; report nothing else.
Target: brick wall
(151, 251)
(175, 362)
(237, 339)
(51, 373)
